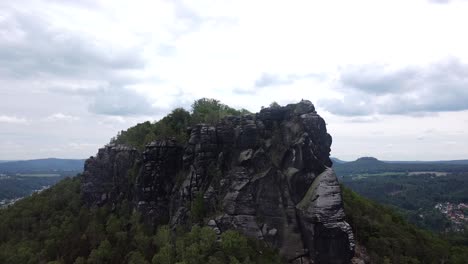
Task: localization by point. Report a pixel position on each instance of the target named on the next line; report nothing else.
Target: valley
(23, 178)
(419, 191)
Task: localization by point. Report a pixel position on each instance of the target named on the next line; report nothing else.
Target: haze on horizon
(389, 77)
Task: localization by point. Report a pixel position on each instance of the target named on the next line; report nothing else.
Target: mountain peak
(264, 175)
(368, 160)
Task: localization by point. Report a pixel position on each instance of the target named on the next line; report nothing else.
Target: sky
(389, 77)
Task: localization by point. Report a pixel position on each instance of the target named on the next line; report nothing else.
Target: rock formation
(266, 175)
(105, 177)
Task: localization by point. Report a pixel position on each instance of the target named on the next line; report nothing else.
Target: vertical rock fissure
(265, 175)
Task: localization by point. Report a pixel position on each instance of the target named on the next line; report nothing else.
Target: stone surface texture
(266, 175)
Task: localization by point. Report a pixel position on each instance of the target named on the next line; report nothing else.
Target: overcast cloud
(74, 73)
(373, 89)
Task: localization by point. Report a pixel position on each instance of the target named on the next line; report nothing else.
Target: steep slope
(266, 175)
(388, 238)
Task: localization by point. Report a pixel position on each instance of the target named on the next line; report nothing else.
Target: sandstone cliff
(266, 175)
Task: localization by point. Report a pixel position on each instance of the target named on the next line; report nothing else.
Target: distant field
(365, 175)
(414, 173)
(436, 173)
(37, 175)
(373, 167)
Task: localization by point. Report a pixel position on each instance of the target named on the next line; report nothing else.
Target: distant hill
(42, 166)
(367, 161)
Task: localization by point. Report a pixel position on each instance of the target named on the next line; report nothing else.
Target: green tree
(165, 255)
(80, 260)
(198, 209)
(274, 105)
(163, 236)
(233, 244)
(102, 254)
(136, 257)
(113, 225)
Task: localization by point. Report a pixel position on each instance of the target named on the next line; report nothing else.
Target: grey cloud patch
(269, 79)
(439, 1)
(350, 105)
(88, 4)
(121, 102)
(244, 91)
(189, 20)
(272, 79)
(80, 91)
(445, 1)
(375, 80)
(371, 89)
(364, 119)
(167, 50)
(63, 62)
(33, 47)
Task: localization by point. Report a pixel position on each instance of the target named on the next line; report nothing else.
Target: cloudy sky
(389, 77)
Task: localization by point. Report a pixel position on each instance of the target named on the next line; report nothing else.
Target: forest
(55, 227)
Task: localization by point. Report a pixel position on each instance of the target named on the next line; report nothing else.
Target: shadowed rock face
(266, 175)
(161, 162)
(105, 177)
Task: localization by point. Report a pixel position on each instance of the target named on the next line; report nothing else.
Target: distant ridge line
(453, 162)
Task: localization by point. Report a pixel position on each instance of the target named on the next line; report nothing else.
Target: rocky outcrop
(156, 178)
(266, 175)
(323, 222)
(105, 177)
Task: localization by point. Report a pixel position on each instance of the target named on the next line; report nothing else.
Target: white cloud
(61, 117)
(13, 119)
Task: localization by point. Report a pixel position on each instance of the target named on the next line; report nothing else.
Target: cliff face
(266, 175)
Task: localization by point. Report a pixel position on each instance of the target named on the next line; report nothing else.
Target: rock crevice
(266, 175)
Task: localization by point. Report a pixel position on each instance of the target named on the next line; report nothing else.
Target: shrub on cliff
(175, 124)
